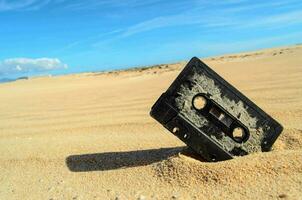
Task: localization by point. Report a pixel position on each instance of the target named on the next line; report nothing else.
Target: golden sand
(89, 136)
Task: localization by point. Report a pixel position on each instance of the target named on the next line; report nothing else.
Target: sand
(90, 136)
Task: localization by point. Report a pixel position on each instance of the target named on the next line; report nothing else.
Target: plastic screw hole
(199, 102)
(175, 130)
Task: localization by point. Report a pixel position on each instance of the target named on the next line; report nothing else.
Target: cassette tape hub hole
(238, 134)
(199, 102)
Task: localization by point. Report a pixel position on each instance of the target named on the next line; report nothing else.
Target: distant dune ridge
(89, 135)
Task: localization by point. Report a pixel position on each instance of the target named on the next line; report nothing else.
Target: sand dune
(89, 136)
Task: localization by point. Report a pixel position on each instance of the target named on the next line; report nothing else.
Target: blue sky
(69, 36)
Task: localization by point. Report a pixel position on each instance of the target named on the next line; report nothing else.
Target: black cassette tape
(212, 117)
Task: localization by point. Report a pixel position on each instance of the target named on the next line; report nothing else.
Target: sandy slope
(89, 136)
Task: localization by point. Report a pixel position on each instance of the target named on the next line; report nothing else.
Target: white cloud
(96, 4)
(11, 5)
(285, 18)
(23, 65)
(226, 19)
(271, 21)
(188, 18)
(6, 5)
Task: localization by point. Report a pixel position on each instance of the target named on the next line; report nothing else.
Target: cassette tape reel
(212, 117)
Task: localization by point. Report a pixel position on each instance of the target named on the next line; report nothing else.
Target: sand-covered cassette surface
(89, 136)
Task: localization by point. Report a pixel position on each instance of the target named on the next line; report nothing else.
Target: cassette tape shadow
(117, 160)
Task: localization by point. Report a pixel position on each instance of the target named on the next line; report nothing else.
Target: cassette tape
(212, 117)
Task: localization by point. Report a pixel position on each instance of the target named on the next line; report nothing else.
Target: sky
(39, 37)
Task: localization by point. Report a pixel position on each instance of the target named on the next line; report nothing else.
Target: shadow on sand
(117, 160)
